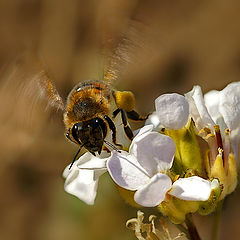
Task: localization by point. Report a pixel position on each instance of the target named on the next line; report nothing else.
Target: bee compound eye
(75, 131)
(75, 127)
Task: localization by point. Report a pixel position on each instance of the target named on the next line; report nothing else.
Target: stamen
(209, 136)
(220, 152)
(219, 140)
(204, 130)
(227, 131)
(206, 133)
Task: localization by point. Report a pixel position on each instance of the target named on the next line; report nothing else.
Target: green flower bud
(210, 205)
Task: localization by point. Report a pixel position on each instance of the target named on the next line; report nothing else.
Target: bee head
(90, 134)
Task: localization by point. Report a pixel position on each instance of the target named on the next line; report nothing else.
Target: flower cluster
(164, 165)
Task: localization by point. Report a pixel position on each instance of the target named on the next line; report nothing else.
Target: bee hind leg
(133, 115)
(127, 129)
(113, 129)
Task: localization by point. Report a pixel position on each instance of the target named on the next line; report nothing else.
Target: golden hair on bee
(87, 100)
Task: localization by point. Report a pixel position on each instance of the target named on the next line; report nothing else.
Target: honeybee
(87, 116)
(91, 109)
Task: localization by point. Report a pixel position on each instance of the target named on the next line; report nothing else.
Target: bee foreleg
(113, 129)
(127, 129)
(133, 115)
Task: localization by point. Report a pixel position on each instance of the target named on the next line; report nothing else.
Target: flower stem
(216, 220)
(193, 233)
(183, 229)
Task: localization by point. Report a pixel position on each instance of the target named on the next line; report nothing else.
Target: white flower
(82, 179)
(144, 169)
(172, 110)
(220, 108)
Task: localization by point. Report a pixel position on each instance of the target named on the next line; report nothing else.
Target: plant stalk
(192, 230)
(216, 220)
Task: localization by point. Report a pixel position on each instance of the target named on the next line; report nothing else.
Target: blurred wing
(48, 90)
(125, 54)
(26, 97)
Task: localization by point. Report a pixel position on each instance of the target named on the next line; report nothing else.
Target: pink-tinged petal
(191, 189)
(153, 193)
(172, 110)
(81, 184)
(154, 152)
(126, 171)
(198, 109)
(230, 105)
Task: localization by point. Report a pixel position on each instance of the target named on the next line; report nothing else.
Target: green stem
(193, 233)
(216, 220)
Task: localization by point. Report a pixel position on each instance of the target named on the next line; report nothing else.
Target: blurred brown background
(185, 43)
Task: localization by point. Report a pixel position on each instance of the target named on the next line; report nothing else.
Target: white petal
(88, 161)
(172, 110)
(141, 133)
(198, 109)
(126, 171)
(153, 119)
(191, 189)
(81, 184)
(212, 100)
(154, 152)
(145, 129)
(153, 193)
(215, 184)
(67, 171)
(235, 140)
(230, 104)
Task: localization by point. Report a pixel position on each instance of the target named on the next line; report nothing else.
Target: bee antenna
(74, 159)
(112, 146)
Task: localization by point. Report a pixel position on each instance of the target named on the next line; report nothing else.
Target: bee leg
(113, 129)
(116, 112)
(133, 115)
(127, 129)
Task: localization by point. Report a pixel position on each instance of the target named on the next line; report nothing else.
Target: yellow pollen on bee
(124, 100)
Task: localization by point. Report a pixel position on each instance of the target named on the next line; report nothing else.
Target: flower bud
(210, 205)
(176, 209)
